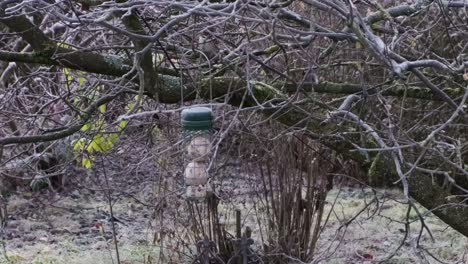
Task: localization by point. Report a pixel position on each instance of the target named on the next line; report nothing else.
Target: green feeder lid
(197, 118)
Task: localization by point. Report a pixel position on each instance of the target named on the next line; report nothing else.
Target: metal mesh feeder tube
(196, 174)
(196, 127)
(198, 149)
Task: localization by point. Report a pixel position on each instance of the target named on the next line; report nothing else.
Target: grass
(376, 233)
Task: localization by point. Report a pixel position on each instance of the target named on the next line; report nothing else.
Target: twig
(109, 200)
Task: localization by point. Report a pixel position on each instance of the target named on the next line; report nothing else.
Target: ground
(74, 227)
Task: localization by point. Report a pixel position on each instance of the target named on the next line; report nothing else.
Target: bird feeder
(196, 127)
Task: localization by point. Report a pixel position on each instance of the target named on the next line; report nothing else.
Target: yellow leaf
(129, 106)
(62, 45)
(106, 146)
(81, 81)
(122, 124)
(79, 144)
(113, 138)
(68, 77)
(86, 163)
(102, 108)
(93, 147)
(98, 138)
(86, 127)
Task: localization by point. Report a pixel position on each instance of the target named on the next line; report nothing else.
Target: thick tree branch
(408, 10)
(48, 52)
(145, 58)
(27, 30)
(110, 66)
(86, 116)
(26, 57)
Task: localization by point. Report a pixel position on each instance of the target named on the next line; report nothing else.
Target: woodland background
(340, 131)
